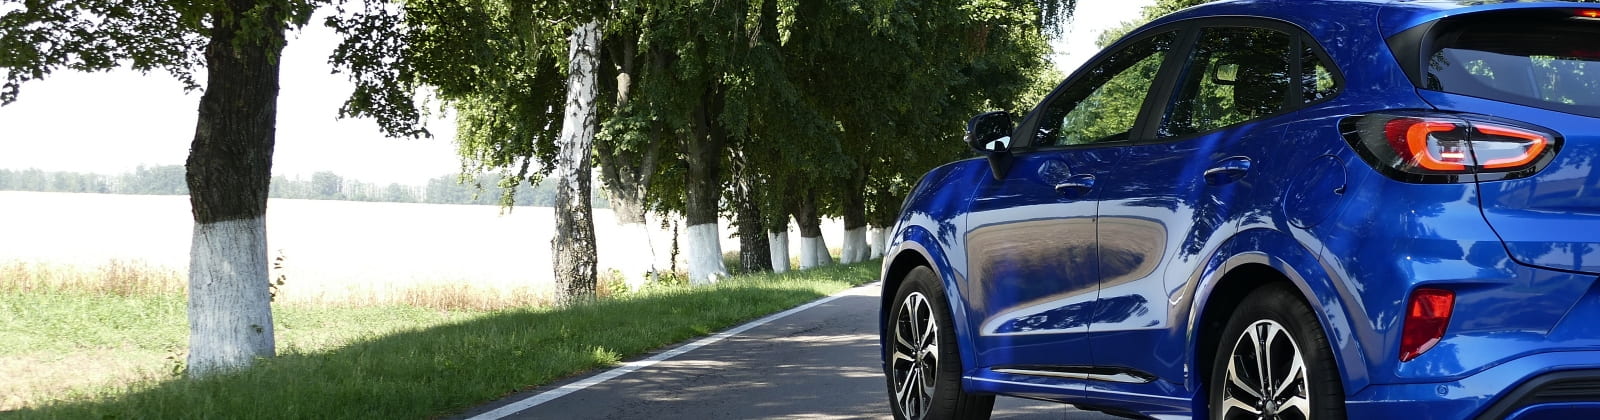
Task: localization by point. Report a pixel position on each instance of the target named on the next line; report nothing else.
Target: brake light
(1446, 148)
(1589, 13)
(1427, 316)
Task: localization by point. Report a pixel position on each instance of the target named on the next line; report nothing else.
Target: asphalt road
(818, 363)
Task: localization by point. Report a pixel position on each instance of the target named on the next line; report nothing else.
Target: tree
(230, 159)
(327, 186)
(709, 108)
(574, 240)
(499, 65)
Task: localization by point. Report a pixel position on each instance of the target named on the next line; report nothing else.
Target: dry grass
(114, 278)
(33, 378)
(137, 278)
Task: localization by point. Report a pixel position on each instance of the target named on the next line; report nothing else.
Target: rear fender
(1329, 299)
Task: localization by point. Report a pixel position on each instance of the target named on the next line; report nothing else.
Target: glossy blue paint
(1111, 256)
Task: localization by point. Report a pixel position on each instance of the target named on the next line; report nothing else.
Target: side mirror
(990, 134)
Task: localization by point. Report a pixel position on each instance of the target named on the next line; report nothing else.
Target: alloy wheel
(915, 361)
(1266, 376)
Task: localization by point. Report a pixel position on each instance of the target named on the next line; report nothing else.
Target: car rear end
(1514, 91)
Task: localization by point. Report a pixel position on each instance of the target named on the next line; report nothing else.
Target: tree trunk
(625, 173)
(813, 249)
(704, 187)
(755, 253)
(229, 169)
(778, 241)
(855, 219)
(573, 245)
(875, 240)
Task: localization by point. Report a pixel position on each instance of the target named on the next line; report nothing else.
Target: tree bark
(228, 173)
(704, 187)
(574, 250)
(813, 249)
(755, 252)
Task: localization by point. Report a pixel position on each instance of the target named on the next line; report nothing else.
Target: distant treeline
(168, 180)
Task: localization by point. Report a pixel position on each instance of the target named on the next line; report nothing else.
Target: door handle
(1228, 170)
(1075, 185)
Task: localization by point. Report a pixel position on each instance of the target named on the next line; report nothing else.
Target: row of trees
(764, 110)
(760, 110)
(481, 189)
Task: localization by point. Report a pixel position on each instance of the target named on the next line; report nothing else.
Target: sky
(112, 122)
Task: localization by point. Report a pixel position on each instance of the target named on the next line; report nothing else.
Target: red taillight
(1442, 147)
(1427, 315)
(1589, 13)
(1507, 147)
(1431, 144)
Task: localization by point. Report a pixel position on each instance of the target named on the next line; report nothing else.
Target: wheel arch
(1251, 265)
(915, 247)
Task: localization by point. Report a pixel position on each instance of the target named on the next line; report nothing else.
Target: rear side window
(1316, 75)
(1544, 61)
(1236, 74)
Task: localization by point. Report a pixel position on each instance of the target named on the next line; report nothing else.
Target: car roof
(1393, 16)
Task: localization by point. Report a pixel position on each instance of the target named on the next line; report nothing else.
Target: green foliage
(40, 37)
(864, 94)
(497, 64)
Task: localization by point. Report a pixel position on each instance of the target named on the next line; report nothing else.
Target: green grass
(398, 362)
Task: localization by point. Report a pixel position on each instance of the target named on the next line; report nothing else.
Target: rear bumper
(1544, 385)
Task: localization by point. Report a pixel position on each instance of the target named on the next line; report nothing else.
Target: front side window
(1103, 105)
(1235, 75)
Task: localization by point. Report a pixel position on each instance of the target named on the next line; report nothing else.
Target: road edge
(503, 409)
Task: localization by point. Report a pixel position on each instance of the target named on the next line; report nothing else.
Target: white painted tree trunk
(230, 313)
(779, 244)
(822, 255)
(705, 255)
(855, 246)
(639, 260)
(814, 253)
(875, 240)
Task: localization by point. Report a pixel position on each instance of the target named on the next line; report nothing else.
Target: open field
(91, 355)
(335, 251)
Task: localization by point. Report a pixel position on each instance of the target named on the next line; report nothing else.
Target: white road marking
(547, 396)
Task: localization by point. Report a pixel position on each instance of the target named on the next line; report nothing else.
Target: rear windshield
(1549, 60)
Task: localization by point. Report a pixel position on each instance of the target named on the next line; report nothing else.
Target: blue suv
(1273, 209)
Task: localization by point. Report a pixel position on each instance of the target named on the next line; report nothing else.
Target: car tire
(1302, 380)
(923, 368)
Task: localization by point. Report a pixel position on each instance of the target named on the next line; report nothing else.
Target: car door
(1170, 204)
(1033, 272)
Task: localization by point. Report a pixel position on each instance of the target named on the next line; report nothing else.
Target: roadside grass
(395, 361)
